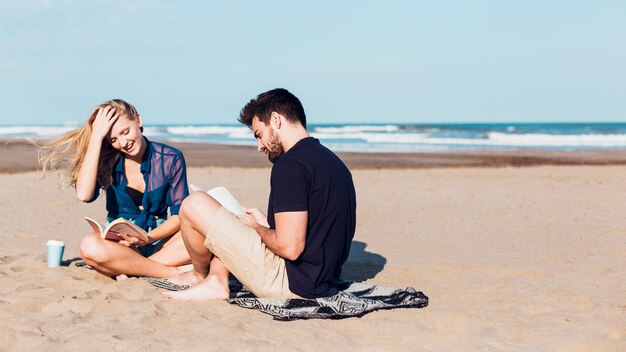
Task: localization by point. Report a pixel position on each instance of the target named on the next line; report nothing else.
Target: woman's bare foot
(209, 289)
(185, 268)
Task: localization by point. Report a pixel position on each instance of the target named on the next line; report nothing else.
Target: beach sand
(512, 258)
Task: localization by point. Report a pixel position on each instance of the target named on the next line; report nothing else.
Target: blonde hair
(70, 148)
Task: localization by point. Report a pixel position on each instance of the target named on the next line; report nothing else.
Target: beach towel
(353, 300)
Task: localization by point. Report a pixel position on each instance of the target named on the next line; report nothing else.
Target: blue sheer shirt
(165, 174)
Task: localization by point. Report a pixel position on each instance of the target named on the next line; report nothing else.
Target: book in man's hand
(224, 197)
(115, 227)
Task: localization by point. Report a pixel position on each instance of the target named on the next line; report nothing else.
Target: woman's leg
(114, 259)
(173, 252)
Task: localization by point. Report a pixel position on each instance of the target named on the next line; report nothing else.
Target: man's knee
(198, 205)
(91, 248)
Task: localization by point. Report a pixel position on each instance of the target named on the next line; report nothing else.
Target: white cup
(55, 253)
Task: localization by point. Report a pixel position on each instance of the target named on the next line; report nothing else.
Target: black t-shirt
(310, 177)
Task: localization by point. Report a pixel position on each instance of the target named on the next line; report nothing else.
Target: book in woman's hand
(115, 227)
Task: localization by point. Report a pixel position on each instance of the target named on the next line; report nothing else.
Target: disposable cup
(55, 253)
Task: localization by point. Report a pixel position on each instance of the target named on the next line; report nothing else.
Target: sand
(512, 258)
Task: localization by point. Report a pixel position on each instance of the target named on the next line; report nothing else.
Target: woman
(142, 180)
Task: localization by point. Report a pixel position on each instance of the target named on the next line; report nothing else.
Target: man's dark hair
(279, 100)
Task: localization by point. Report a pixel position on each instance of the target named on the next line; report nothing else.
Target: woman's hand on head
(105, 118)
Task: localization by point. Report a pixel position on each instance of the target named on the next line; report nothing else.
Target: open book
(224, 197)
(117, 226)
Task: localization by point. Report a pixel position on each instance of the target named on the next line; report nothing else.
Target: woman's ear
(139, 122)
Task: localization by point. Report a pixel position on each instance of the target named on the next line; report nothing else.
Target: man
(299, 248)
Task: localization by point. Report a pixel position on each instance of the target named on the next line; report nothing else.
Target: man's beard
(275, 148)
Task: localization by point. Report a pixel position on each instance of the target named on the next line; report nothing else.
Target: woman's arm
(86, 181)
(168, 227)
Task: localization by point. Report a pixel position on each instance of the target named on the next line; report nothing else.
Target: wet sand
(18, 155)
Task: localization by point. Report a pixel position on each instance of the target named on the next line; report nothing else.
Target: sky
(347, 61)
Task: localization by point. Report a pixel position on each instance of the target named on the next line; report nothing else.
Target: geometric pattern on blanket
(353, 300)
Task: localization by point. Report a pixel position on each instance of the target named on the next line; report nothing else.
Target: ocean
(390, 137)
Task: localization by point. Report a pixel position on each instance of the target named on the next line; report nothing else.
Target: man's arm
(289, 237)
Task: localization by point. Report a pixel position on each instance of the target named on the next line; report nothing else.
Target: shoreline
(17, 155)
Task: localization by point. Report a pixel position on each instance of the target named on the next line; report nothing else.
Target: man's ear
(276, 120)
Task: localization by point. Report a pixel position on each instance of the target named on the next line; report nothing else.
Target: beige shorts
(243, 253)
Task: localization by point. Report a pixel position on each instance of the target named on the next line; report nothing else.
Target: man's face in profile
(268, 141)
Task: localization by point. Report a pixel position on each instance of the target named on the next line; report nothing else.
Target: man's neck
(293, 136)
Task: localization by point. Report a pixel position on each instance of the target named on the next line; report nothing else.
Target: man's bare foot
(189, 278)
(209, 289)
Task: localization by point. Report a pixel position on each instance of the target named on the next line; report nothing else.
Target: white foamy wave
(153, 131)
(356, 129)
(205, 130)
(244, 133)
(221, 142)
(34, 131)
(388, 137)
(375, 137)
(494, 139)
(553, 140)
(388, 148)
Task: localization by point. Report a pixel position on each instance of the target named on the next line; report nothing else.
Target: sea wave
(34, 131)
(206, 130)
(374, 137)
(356, 128)
(365, 137)
(490, 139)
(556, 140)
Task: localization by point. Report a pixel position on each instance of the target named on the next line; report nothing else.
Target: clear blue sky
(348, 61)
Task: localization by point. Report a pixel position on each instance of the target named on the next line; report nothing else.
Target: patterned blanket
(353, 300)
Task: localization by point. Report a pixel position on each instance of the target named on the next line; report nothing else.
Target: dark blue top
(310, 177)
(165, 174)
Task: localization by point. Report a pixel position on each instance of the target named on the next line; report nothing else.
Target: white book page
(227, 200)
